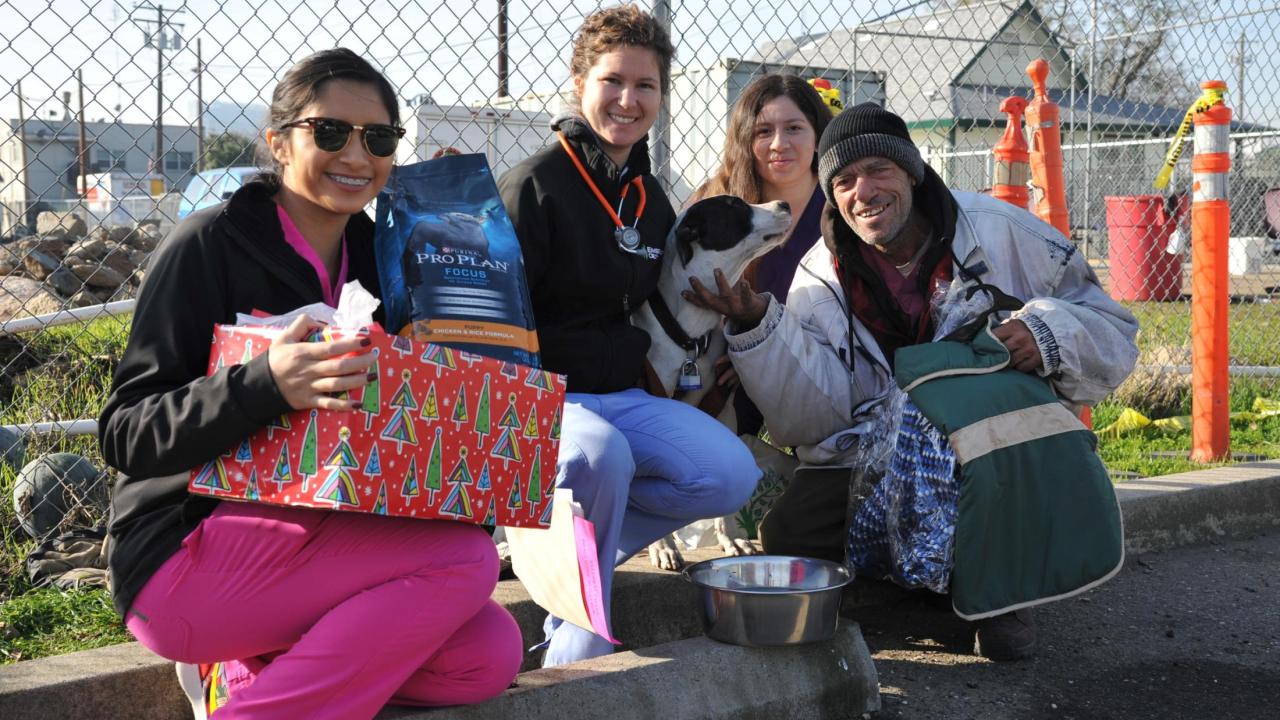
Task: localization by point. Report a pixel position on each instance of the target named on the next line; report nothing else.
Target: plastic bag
(449, 261)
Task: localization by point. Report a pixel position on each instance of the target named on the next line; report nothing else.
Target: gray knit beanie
(866, 130)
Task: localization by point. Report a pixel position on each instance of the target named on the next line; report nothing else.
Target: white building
(39, 162)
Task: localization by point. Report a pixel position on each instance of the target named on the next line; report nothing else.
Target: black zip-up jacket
(583, 286)
(164, 417)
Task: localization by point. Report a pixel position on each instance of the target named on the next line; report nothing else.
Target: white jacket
(796, 363)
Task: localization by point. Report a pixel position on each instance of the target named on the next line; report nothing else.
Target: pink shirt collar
(303, 248)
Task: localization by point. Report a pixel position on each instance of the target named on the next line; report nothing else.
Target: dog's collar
(696, 346)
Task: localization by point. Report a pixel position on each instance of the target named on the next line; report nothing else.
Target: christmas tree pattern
(535, 477)
(508, 447)
(481, 425)
(280, 423)
(400, 427)
(251, 487)
(515, 500)
(245, 452)
(410, 488)
(307, 462)
(460, 414)
(531, 427)
(539, 380)
(282, 475)
(212, 477)
(434, 462)
(545, 519)
(440, 356)
(484, 483)
(402, 345)
(218, 365)
(373, 468)
(509, 370)
(430, 406)
(248, 353)
(555, 425)
(380, 505)
(490, 517)
(458, 502)
(339, 488)
(469, 358)
(371, 401)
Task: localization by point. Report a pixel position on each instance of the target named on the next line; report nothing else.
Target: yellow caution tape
(1207, 99)
(830, 95)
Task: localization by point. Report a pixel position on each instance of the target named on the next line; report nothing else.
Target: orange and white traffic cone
(1046, 151)
(1210, 226)
(1012, 166)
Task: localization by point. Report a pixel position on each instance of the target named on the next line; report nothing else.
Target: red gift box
(441, 433)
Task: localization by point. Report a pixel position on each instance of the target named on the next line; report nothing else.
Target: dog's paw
(664, 555)
(734, 547)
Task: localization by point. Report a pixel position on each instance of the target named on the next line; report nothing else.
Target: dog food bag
(450, 263)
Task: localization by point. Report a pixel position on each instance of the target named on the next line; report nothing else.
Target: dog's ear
(686, 236)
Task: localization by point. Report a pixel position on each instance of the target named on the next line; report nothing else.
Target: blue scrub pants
(641, 467)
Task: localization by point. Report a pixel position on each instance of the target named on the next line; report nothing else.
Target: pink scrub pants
(332, 615)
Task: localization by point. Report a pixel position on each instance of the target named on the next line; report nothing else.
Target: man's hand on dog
(744, 307)
(1024, 354)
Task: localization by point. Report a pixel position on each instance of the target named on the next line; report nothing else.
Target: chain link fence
(120, 117)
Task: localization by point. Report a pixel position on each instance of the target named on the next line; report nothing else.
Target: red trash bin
(1138, 230)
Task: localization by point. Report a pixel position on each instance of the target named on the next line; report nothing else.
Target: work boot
(1011, 636)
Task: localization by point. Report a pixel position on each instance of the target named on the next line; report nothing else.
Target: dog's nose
(786, 206)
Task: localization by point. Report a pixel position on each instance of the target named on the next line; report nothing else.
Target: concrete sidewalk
(669, 666)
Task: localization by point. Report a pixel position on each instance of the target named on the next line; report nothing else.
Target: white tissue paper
(355, 310)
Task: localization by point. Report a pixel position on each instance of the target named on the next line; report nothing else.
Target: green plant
(48, 621)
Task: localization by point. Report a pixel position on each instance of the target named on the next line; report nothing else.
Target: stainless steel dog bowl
(769, 599)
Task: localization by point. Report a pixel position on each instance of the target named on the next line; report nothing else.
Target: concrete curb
(652, 608)
(689, 679)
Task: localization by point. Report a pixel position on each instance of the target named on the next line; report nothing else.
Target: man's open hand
(744, 307)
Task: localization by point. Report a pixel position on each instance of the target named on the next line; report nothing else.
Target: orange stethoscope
(628, 238)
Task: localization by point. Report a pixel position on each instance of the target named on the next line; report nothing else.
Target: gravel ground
(1179, 635)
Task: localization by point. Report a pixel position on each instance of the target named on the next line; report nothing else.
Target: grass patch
(1251, 326)
(47, 622)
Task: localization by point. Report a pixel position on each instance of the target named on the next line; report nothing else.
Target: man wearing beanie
(821, 368)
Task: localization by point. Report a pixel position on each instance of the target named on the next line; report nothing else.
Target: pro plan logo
(446, 151)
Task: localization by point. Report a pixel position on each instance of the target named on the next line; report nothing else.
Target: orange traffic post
(1046, 151)
(1012, 169)
(1043, 118)
(1210, 225)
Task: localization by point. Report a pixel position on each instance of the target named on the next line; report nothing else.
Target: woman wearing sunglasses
(303, 613)
(593, 224)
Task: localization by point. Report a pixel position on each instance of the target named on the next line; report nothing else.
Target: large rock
(67, 225)
(50, 245)
(13, 448)
(84, 298)
(24, 297)
(96, 274)
(65, 281)
(91, 248)
(61, 489)
(11, 258)
(119, 233)
(144, 237)
(39, 265)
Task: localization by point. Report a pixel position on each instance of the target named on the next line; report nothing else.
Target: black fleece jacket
(583, 287)
(164, 417)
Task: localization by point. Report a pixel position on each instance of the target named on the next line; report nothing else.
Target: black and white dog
(717, 232)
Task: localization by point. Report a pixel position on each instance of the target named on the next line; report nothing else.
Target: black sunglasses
(332, 135)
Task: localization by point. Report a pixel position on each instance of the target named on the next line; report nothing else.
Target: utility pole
(84, 147)
(162, 42)
(199, 108)
(22, 154)
(503, 90)
(1238, 103)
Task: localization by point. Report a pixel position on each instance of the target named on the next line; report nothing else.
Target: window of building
(107, 160)
(178, 160)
